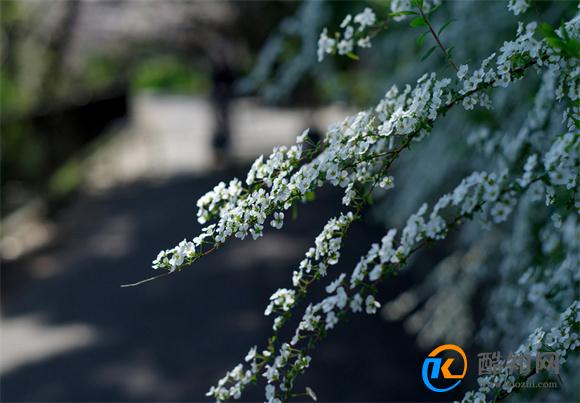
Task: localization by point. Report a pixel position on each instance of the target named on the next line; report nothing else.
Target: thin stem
(147, 280)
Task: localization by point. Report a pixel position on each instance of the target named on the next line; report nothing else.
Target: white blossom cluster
(540, 291)
(454, 281)
(561, 339)
(480, 192)
(355, 34)
(355, 295)
(518, 6)
(277, 182)
(326, 251)
(536, 163)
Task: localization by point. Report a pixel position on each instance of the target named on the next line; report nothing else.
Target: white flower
(518, 6)
(345, 46)
(331, 320)
(278, 221)
(375, 273)
(271, 394)
(371, 305)
(325, 45)
(364, 42)
(348, 32)
(300, 139)
(365, 19)
(251, 354)
(356, 303)
(387, 182)
(346, 21)
(341, 297)
(331, 288)
(462, 71)
(283, 299)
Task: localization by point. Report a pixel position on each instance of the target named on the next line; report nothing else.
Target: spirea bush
(522, 190)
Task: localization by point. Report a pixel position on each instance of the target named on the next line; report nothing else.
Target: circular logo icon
(434, 368)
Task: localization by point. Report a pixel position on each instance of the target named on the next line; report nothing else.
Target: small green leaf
(310, 196)
(428, 53)
(555, 42)
(445, 26)
(573, 48)
(434, 9)
(368, 198)
(565, 32)
(421, 38)
(418, 22)
(547, 30)
(352, 56)
(449, 51)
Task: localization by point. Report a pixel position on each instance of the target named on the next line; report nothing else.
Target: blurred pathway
(170, 135)
(70, 333)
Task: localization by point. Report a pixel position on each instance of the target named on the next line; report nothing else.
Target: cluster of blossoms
(357, 35)
(326, 251)
(358, 31)
(478, 193)
(561, 339)
(518, 6)
(357, 155)
(456, 279)
(537, 281)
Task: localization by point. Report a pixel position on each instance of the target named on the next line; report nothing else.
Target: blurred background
(115, 117)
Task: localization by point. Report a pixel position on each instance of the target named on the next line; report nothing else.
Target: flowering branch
(562, 338)
(283, 179)
(357, 155)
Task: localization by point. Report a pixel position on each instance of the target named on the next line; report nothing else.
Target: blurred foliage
(66, 178)
(169, 73)
(12, 100)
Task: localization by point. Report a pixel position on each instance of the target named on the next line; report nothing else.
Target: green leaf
(573, 48)
(434, 9)
(310, 196)
(418, 22)
(400, 13)
(547, 30)
(421, 38)
(566, 35)
(568, 45)
(445, 26)
(555, 42)
(417, 3)
(352, 56)
(428, 53)
(368, 198)
(449, 51)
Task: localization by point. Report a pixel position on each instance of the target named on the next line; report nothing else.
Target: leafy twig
(436, 37)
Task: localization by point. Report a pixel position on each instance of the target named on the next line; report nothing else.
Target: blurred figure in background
(223, 79)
